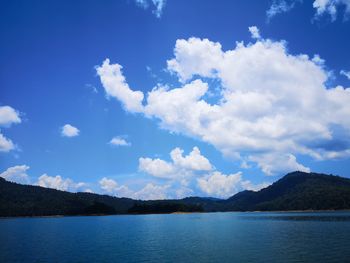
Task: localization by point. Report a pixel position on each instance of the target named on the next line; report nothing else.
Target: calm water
(215, 237)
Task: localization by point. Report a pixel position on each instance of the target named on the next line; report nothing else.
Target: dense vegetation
(161, 207)
(28, 200)
(295, 191)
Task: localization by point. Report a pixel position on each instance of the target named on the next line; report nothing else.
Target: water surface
(202, 237)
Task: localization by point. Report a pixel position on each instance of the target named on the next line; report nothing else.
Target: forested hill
(29, 200)
(295, 191)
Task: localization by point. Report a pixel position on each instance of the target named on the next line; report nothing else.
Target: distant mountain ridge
(295, 191)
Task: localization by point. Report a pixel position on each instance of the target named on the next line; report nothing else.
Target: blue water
(206, 237)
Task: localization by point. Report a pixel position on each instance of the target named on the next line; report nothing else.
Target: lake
(202, 237)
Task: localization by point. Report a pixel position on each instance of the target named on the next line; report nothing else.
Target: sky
(155, 99)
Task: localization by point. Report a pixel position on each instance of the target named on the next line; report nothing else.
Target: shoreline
(175, 213)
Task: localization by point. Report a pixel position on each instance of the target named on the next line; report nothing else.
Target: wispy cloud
(156, 6)
(345, 73)
(322, 7)
(331, 8)
(280, 6)
(254, 31)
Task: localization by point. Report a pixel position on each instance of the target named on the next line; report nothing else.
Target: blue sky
(202, 99)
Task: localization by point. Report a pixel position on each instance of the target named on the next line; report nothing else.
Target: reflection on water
(201, 237)
(307, 216)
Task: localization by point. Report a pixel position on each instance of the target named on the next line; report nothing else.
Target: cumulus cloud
(195, 56)
(220, 185)
(152, 192)
(115, 86)
(156, 5)
(254, 31)
(331, 7)
(193, 161)
(180, 166)
(8, 116)
(345, 73)
(217, 184)
(271, 164)
(118, 141)
(16, 174)
(6, 144)
(156, 167)
(148, 192)
(69, 131)
(19, 174)
(59, 183)
(195, 170)
(108, 184)
(272, 104)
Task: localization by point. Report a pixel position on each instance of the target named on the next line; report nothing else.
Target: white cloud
(270, 103)
(185, 171)
(254, 31)
(331, 7)
(272, 164)
(318, 60)
(195, 56)
(109, 185)
(245, 165)
(148, 192)
(248, 185)
(69, 131)
(345, 73)
(194, 161)
(279, 7)
(6, 144)
(152, 192)
(8, 116)
(183, 192)
(220, 185)
(118, 141)
(59, 183)
(16, 174)
(157, 6)
(156, 167)
(115, 86)
(322, 7)
(179, 168)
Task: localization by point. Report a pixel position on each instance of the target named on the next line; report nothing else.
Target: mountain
(295, 191)
(29, 200)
